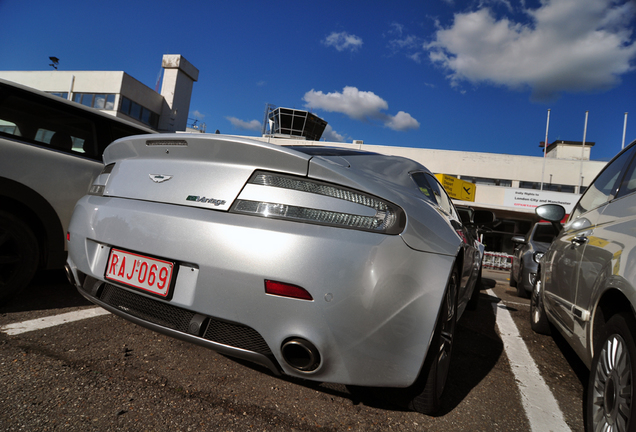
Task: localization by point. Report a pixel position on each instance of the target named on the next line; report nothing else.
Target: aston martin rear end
(327, 264)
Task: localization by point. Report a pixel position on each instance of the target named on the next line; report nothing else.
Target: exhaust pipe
(69, 275)
(301, 354)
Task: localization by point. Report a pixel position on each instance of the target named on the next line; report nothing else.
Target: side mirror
(483, 217)
(465, 216)
(550, 212)
(553, 213)
(518, 239)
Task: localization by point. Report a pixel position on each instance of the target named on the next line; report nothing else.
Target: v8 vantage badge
(202, 199)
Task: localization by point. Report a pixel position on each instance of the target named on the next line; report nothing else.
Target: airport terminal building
(509, 185)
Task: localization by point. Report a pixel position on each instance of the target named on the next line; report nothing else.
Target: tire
(474, 298)
(610, 392)
(521, 290)
(425, 395)
(19, 253)
(538, 319)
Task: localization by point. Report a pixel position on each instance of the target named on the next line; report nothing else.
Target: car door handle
(579, 240)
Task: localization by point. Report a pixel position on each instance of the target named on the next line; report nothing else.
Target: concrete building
(119, 94)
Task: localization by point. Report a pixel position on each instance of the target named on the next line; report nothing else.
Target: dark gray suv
(527, 254)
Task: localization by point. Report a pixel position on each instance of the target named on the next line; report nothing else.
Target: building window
(99, 101)
(63, 95)
(529, 185)
(488, 181)
(138, 112)
(547, 186)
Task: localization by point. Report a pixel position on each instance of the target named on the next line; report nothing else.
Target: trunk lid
(206, 171)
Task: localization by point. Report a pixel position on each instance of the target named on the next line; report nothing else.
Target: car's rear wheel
(427, 391)
(521, 289)
(474, 298)
(512, 282)
(18, 255)
(538, 320)
(610, 400)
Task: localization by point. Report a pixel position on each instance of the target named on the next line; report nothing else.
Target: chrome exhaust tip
(301, 354)
(69, 275)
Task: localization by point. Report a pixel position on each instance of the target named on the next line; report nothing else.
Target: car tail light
(99, 185)
(385, 217)
(286, 290)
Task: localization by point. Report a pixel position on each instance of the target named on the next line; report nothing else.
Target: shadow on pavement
(49, 289)
(475, 353)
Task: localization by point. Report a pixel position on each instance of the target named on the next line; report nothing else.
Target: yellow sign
(456, 188)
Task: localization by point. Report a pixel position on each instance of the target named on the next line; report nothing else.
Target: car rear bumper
(375, 300)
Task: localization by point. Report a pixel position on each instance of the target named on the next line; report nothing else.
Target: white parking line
(541, 407)
(42, 323)
(538, 401)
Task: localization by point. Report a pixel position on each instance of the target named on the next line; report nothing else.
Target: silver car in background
(320, 263)
(527, 255)
(587, 290)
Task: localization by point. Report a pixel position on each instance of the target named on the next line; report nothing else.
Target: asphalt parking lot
(104, 373)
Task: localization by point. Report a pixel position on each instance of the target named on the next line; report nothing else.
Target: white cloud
(410, 45)
(359, 105)
(402, 121)
(197, 115)
(331, 135)
(569, 45)
(343, 41)
(253, 125)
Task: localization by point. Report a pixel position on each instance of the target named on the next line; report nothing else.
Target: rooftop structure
(292, 123)
(119, 94)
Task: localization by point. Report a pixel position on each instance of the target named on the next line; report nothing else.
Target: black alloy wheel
(18, 255)
(432, 380)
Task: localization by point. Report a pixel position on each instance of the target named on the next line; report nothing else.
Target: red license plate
(148, 274)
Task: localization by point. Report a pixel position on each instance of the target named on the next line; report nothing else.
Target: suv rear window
(36, 119)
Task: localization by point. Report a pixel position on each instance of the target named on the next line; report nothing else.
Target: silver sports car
(321, 263)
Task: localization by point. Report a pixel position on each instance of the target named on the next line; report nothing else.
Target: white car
(51, 152)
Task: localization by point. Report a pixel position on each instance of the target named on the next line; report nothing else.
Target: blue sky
(476, 75)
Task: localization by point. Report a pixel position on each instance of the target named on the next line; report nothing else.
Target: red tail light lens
(286, 290)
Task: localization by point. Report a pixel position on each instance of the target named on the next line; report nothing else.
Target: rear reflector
(286, 290)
